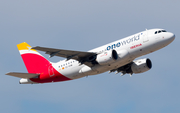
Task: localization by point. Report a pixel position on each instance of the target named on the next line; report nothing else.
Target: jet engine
(138, 66)
(142, 65)
(107, 57)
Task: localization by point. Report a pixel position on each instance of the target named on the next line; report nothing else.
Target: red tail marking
(39, 65)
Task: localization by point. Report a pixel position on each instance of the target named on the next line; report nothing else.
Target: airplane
(118, 56)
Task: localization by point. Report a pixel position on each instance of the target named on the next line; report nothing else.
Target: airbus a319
(118, 57)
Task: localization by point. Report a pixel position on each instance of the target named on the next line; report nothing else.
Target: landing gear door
(145, 36)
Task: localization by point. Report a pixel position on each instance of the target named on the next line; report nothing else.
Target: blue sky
(84, 25)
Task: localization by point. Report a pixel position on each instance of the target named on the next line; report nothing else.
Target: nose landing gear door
(145, 36)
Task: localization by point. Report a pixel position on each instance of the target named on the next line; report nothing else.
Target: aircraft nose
(171, 37)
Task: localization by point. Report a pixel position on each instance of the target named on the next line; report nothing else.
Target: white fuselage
(134, 46)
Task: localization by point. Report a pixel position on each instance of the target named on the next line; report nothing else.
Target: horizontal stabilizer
(22, 75)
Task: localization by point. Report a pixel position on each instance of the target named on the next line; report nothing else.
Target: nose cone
(171, 37)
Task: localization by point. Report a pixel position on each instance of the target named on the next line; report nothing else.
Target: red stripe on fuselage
(39, 65)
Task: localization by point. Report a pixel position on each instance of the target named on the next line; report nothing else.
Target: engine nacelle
(123, 55)
(107, 57)
(142, 65)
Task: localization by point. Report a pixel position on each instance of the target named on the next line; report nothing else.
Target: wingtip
(8, 73)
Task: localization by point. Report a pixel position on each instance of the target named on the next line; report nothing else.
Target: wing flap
(22, 75)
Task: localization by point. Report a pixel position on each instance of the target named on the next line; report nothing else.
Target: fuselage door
(51, 71)
(145, 36)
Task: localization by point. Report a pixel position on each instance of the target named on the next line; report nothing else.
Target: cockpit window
(164, 31)
(160, 31)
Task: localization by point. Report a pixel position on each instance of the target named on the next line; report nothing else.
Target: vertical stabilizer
(34, 62)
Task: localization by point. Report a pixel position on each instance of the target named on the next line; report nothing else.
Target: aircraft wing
(82, 57)
(22, 75)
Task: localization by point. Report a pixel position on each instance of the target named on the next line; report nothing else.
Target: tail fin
(34, 62)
